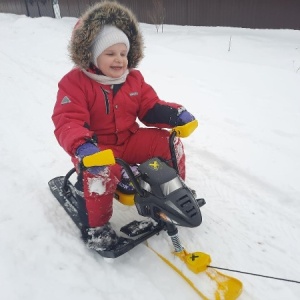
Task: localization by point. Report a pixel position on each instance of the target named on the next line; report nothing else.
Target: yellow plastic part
(185, 130)
(229, 288)
(102, 158)
(124, 198)
(197, 261)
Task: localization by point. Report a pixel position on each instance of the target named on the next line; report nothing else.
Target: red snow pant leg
(146, 143)
(180, 156)
(95, 194)
(98, 193)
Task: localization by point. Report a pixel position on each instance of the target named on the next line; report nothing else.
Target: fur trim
(91, 22)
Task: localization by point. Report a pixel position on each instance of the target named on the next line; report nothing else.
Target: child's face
(113, 61)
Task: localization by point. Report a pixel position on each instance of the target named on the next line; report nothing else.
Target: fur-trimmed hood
(90, 24)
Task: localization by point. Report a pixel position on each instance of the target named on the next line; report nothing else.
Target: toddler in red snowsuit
(98, 104)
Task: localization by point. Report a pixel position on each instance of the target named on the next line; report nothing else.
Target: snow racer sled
(161, 196)
(165, 202)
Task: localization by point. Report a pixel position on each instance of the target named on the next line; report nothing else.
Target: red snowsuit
(86, 110)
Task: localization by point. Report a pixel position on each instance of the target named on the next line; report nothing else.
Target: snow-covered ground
(244, 159)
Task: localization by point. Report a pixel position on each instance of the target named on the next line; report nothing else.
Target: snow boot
(102, 238)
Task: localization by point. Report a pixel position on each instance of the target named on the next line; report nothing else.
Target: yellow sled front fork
(228, 288)
(196, 261)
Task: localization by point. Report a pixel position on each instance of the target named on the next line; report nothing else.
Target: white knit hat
(109, 35)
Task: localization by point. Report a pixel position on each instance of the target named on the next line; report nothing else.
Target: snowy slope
(243, 159)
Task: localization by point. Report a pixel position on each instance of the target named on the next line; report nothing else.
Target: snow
(244, 159)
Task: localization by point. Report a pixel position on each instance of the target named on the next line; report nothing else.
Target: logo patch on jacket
(65, 100)
(133, 94)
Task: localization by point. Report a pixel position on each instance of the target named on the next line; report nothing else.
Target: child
(98, 103)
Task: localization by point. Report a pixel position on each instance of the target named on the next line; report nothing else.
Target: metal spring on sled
(176, 243)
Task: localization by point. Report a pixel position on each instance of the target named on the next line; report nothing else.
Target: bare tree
(157, 15)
